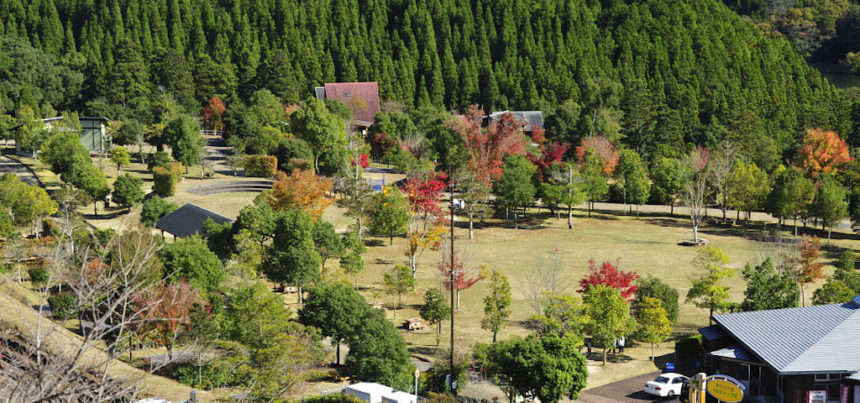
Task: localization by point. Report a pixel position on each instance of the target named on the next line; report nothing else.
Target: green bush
(63, 305)
(164, 182)
(689, 348)
(159, 159)
(127, 191)
(263, 166)
(154, 209)
(218, 373)
(333, 398)
(6, 267)
(38, 275)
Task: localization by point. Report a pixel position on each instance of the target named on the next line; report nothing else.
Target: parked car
(666, 385)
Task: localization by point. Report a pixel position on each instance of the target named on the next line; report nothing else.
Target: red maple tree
(546, 155)
(164, 311)
(212, 113)
(462, 278)
(362, 160)
(603, 148)
(609, 275)
(425, 193)
(488, 147)
(822, 152)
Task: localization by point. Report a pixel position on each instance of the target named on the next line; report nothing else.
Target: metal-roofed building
(783, 354)
(188, 221)
(93, 134)
(532, 119)
(363, 96)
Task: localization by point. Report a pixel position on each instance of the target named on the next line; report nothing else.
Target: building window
(348, 93)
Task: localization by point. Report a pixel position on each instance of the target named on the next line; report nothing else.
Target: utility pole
(451, 284)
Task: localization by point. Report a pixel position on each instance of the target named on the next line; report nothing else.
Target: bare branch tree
(720, 166)
(545, 278)
(696, 186)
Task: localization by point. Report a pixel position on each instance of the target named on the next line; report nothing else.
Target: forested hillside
(691, 71)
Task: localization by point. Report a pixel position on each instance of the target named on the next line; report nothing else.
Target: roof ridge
(834, 333)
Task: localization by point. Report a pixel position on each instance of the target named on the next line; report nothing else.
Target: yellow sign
(725, 391)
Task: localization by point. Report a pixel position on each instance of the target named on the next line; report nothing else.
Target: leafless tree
(720, 166)
(696, 186)
(42, 360)
(545, 278)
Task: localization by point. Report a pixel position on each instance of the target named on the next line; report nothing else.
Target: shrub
(689, 348)
(215, 374)
(333, 398)
(127, 191)
(38, 275)
(177, 169)
(154, 209)
(6, 267)
(50, 228)
(261, 165)
(63, 305)
(159, 159)
(164, 182)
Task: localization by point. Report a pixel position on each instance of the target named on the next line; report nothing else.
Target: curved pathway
(9, 165)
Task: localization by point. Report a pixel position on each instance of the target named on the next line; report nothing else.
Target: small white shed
(368, 391)
(398, 397)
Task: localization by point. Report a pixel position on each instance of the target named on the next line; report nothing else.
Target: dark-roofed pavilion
(188, 220)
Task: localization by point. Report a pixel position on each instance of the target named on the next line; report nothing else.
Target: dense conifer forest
(687, 72)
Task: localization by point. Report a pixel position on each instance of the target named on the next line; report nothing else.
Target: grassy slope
(16, 313)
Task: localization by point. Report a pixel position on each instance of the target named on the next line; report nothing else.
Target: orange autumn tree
(302, 189)
(603, 148)
(822, 152)
(488, 147)
(806, 264)
(213, 112)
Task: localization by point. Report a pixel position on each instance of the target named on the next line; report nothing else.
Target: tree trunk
(604, 356)
(795, 225)
(738, 218)
(412, 265)
(515, 220)
(495, 332)
(391, 239)
(337, 360)
(471, 227)
(652, 352)
(439, 327)
(828, 234)
(672, 208)
(301, 299)
(569, 217)
(458, 300)
(695, 233)
(95, 207)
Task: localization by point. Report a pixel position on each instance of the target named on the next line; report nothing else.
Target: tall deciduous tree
(608, 316)
(186, 142)
(822, 152)
(668, 175)
(791, 194)
(708, 290)
(460, 276)
(293, 258)
(721, 165)
(842, 286)
(654, 323)
(630, 176)
(696, 186)
(191, 259)
(328, 244)
(830, 204)
(435, 310)
(120, 156)
(377, 353)
(497, 304)
(601, 147)
(302, 189)
(653, 287)
(388, 213)
(564, 186)
(352, 262)
(594, 183)
(424, 226)
(336, 309)
(127, 191)
(487, 148)
(749, 187)
(397, 281)
(515, 188)
(806, 264)
(611, 276)
(320, 128)
(165, 311)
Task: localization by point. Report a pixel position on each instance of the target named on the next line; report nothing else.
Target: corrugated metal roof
(366, 91)
(735, 352)
(188, 220)
(712, 332)
(810, 339)
(533, 119)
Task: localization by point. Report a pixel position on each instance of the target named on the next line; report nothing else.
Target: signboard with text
(725, 391)
(816, 396)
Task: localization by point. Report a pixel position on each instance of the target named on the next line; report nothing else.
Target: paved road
(627, 390)
(9, 165)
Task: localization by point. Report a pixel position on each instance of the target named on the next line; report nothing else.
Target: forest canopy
(692, 71)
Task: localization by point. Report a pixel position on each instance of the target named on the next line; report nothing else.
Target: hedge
(263, 166)
(689, 348)
(164, 182)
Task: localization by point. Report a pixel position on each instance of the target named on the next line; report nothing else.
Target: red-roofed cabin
(363, 96)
